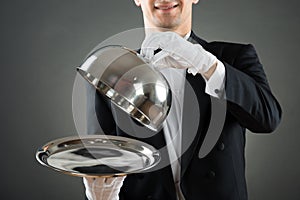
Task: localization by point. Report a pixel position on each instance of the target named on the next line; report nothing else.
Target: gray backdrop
(42, 41)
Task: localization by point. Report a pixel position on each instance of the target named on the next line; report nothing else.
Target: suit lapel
(196, 118)
(196, 40)
(196, 113)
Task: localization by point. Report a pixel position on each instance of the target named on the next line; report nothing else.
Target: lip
(165, 6)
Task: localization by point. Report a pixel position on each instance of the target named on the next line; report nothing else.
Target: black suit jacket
(221, 174)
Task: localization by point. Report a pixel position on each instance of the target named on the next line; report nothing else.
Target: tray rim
(44, 150)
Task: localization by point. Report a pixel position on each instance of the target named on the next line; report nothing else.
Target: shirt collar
(187, 35)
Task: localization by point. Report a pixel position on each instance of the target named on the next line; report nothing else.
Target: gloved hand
(176, 52)
(103, 188)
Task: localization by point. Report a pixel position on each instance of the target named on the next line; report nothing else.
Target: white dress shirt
(173, 123)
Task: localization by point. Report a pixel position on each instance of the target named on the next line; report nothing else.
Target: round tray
(98, 155)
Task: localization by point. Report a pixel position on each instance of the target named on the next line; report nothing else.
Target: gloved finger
(110, 181)
(166, 59)
(88, 181)
(162, 55)
(152, 39)
(101, 181)
(91, 182)
(178, 64)
(152, 43)
(148, 52)
(161, 64)
(148, 47)
(143, 58)
(101, 188)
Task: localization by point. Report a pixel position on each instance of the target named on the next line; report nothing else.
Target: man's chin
(167, 25)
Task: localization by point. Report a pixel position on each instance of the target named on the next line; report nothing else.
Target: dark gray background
(42, 41)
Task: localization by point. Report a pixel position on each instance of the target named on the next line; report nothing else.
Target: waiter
(222, 71)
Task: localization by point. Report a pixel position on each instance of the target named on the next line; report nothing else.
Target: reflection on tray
(97, 160)
(100, 169)
(94, 153)
(98, 155)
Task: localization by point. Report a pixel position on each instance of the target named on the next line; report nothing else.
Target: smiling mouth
(165, 7)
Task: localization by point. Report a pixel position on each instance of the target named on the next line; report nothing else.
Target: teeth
(165, 7)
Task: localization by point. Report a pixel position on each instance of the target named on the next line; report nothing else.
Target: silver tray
(98, 155)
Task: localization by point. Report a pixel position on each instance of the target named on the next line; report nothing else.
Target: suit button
(149, 197)
(211, 174)
(221, 146)
(217, 91)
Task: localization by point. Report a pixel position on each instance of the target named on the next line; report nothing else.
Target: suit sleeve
(249, 97)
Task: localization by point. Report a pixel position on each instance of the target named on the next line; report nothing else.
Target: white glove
(176, 52)
(103, 188)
